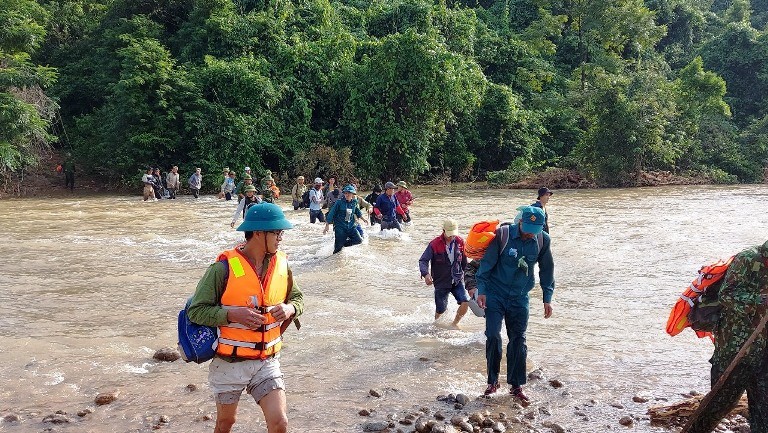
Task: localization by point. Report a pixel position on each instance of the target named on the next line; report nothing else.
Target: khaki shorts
(257, 377)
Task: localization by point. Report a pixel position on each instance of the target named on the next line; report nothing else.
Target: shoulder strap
(540, 241)
(503, 237)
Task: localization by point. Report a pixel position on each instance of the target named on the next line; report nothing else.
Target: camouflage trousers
(751, 375)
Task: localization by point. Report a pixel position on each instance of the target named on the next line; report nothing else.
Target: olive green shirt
(205, 307)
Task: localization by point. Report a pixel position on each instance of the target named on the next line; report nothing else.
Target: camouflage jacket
(744, 298)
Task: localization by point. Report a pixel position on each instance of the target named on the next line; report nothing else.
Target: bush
(517, 170)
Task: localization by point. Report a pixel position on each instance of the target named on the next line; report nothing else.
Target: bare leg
(460, 313)
(274, 407)
(225, 417)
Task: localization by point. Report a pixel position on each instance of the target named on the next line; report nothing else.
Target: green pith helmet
(264, 217)
(268, 178)
(247, 177)
(248, 188)
(403, 184)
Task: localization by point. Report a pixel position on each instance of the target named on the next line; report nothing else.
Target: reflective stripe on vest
(245, 289)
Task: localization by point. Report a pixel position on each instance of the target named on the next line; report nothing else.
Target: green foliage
(390, 89)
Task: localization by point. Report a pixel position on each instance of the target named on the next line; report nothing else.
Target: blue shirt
(343, 212)
(500, 275)
(386, 206)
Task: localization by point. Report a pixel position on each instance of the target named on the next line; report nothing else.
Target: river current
(91, 286)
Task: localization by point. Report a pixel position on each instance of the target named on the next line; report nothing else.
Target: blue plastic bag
(197, 343)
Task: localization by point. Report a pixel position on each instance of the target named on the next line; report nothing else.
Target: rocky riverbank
(553, 407)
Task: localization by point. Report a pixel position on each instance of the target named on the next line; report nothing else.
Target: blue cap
(350, 188)
(532, 219)
(264, 217)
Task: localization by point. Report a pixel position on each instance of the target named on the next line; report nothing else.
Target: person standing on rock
(69, 172)
(541, 202)
(503, 281)
(250, 295)
(446, 256)
(744, 300)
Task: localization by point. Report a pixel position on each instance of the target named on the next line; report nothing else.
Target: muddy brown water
(90, 288)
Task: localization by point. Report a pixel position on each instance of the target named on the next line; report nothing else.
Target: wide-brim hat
(532, 219)
(247, 177)
(248, 188)
(403, 184)
(268, 178)
(318, 181)
(264, 217)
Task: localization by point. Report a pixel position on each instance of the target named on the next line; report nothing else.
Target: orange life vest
(480, 236)
(708, 275)
(245, 289)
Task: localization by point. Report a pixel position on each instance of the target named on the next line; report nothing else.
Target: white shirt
(315, 199)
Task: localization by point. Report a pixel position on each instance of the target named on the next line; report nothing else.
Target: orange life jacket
(480, 236)
(708, 275)
(245, 289)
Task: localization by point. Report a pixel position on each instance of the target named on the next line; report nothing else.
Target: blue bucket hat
(264, 217)
(532, 219)
(350, 188)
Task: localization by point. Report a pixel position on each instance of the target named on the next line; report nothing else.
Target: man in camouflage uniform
(744, 298)
(269, 192)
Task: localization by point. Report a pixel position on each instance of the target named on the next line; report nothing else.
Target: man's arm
(546, 271)
(426, 257)
(205, 308)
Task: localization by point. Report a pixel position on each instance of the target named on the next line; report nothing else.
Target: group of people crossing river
(250, 296)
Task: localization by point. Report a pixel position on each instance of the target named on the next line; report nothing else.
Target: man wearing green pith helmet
(250, 295)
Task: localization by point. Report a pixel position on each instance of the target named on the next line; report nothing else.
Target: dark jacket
(444, 273)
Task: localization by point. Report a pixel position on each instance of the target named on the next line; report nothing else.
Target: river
(90, 287)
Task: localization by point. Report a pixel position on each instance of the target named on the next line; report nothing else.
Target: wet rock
(423, 359)
(364, 412)
(515, 420)
(617, 405)
(537, 374)
(12, 418)
(566, 393)
(375, 426)
(626, 421)
(425, 410)
(458, 419)
(498, 427)
(106, 398)
(553, 426)
(458, 406)
(579, 413)
(694, 393)
(591, 403)
(206, 417)
(374, 393)
(554, 383)
(439, 416)
(476, 418)
(639, 399)
(530, 415)
(516, 406)
(56, 418)
(166, 354)
(462, 399)
(84, 412)
(487, 422)
(502, 415)
(421, 426)
(60, 412)
(164, 419)
(191, 387)
(406, 421)
(544, 411)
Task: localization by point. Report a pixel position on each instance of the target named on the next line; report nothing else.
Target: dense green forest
(388, 89)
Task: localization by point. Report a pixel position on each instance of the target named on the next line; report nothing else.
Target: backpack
(305, 199)
(197, 343)
(699, 305)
